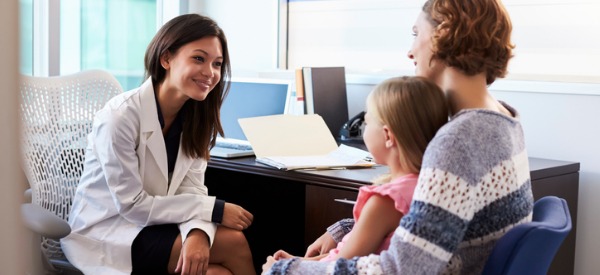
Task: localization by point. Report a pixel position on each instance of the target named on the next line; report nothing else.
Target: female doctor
(141, 206)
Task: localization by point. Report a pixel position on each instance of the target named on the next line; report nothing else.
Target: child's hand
(282, 255)
(266, 266)
(321, 246)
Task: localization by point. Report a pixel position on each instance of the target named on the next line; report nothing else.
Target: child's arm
(282, 254)
(377, 220)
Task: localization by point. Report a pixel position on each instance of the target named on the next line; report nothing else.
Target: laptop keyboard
(236, 146)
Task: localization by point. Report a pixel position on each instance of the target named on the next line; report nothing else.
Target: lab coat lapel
(182, 165)
(151, 131)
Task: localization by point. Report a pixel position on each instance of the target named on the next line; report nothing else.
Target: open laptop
(249, 97)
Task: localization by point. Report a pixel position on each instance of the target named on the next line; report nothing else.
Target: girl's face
(422, 49)
(374, 136)
(195, 69)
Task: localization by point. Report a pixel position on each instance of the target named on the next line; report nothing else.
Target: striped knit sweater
(474, 185)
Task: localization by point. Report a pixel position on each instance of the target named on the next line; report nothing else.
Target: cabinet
(322, 209)
(561, 179)
(292, 208)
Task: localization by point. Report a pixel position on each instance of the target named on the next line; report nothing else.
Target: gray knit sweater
(474, 185)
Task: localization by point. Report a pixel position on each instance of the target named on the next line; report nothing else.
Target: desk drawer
(322, 209)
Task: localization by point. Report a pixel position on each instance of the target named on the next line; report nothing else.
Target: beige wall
(12, 250)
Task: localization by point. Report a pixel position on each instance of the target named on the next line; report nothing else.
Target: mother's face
(422, 49)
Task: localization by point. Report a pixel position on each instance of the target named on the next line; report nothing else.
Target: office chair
(530, 247)
(56, 116)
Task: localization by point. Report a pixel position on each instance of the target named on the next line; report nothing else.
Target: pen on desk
(345, 201)
(318, 168)
(330, 168)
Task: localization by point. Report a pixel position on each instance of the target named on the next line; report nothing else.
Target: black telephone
(351, 130)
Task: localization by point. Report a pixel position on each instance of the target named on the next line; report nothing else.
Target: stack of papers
(342, 157)
(291, 142)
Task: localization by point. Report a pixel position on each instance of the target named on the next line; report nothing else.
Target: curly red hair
(473, 35)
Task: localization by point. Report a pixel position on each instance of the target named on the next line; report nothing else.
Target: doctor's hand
(195, 254)
(236, 217)
(321, 246)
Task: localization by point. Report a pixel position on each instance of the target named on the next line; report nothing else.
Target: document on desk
(292, 142)
(342, 157)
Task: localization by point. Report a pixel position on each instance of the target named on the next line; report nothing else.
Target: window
(107, 34)
(555, 38)
(67, 36)
(363, 36)
(26, 36)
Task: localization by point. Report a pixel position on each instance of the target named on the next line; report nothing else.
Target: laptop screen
(252, 97)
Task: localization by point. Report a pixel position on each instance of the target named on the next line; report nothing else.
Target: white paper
(343, 157)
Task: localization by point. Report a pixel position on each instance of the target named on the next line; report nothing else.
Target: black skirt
(151, 249)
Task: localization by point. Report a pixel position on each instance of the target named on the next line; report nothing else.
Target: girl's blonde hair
(414, 108)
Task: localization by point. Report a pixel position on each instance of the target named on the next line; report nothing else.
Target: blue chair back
(530, 247)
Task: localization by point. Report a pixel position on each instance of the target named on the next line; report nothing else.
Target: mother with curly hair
(474, 183)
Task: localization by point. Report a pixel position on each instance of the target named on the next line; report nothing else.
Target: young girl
(474, 170)
(141, 206)
(403, 115)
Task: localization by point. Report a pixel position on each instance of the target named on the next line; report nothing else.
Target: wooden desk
(292, 208)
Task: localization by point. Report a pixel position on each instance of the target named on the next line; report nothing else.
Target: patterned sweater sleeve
(339, 229)
(295, 266)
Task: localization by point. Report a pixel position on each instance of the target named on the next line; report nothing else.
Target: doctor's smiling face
(194, 69)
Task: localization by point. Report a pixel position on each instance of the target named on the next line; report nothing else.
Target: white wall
(12, 251)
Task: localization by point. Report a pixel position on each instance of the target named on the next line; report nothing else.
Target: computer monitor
(252, 97)
(325, 95)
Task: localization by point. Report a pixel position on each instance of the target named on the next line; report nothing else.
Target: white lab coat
(124, 186)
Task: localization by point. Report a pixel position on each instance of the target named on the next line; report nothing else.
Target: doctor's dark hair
(201, 119)
(472, 36)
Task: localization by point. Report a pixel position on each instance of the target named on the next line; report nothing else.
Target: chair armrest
(27, 195)
(43, 222)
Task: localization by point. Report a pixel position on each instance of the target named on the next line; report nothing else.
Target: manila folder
(288, 135)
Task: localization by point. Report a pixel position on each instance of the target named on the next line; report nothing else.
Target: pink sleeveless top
(400, 190)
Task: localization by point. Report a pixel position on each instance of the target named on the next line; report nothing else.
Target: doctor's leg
(229, 254)
(231, 250)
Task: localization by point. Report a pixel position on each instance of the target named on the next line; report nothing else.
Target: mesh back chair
(530, 247)
(56, 116)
